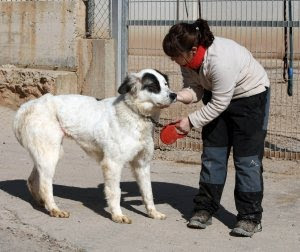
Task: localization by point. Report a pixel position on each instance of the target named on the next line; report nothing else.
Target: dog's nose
(173, 96)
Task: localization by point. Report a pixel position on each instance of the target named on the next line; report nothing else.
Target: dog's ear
(127, 85)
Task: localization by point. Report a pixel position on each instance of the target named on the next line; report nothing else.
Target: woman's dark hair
(183, 36)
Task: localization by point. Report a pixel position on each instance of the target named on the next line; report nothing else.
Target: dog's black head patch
(150, 83)
(164, 75)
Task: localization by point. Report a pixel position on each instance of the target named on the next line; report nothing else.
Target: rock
(18, 85)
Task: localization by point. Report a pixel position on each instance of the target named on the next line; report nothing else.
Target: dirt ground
(78, 187)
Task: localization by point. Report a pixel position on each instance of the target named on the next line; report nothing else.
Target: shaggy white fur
(116, 131)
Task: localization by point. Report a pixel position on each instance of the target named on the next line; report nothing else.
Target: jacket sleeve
(191, 84)
(223, 77)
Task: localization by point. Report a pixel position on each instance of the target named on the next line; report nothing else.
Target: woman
(234, 88)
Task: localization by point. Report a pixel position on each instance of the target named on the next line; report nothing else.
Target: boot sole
(198, 225)
(239, 232)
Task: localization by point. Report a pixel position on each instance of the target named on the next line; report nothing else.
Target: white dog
(116, 131)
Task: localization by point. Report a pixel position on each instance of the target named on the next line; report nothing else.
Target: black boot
(246, 228)
(201, 219)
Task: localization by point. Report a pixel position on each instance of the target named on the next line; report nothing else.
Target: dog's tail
(23, 115)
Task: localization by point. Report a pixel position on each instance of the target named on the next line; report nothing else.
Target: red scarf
(197, 60)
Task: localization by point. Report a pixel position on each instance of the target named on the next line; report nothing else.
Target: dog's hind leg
(141, 171)
(41, 188)
(45, 152)
(112, 175)
(33, 186)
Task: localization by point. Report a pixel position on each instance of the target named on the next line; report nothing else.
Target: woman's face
(185, 57)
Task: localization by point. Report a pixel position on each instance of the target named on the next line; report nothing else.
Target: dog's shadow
(176, 195)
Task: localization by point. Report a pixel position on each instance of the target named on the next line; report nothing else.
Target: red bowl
(169, 135)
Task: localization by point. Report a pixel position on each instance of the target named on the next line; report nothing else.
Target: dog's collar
(157, 124)
(149, 118)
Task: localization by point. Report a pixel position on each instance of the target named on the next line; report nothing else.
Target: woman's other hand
(183, 126)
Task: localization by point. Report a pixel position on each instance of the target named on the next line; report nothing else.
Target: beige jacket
(230, 72)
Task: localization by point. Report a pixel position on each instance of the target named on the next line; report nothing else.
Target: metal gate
(270, 29)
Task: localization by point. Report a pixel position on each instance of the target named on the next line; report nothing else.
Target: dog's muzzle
(173, 96)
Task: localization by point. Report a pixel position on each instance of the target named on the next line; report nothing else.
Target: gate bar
(218, 23)
(119, 17)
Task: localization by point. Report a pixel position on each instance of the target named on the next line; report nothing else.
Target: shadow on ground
(176, 195)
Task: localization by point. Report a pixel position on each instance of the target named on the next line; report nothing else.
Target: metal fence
(99, 18)
(269, 29)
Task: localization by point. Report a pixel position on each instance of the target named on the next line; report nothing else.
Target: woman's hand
(180, 97)
(183, 126)
(184, 96)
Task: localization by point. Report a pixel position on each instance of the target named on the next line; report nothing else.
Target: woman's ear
(194, 50)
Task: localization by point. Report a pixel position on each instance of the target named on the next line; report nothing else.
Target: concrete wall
(41, 34)
(46, 39)
(96, 74)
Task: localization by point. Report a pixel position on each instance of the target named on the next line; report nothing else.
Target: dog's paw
(156, 215)
(121, 219)
(59, 213)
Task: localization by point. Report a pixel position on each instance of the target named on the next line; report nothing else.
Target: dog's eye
(151, 89)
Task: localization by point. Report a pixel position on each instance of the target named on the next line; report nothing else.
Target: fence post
(119, 17)
(90, 11)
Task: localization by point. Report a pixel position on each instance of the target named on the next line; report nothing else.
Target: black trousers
(242, 127)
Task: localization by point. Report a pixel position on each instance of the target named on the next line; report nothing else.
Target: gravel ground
(78, 187)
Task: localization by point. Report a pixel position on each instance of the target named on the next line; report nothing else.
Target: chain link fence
(270, 29)
(99, 19)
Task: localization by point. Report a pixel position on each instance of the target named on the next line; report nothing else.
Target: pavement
(78, 188)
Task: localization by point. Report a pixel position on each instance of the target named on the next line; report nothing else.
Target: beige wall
(47, 39)
(96, 74)
(41, 34)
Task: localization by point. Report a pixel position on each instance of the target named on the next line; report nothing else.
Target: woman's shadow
(178, 196)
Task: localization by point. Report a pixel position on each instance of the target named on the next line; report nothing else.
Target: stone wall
(43, 49)
(18, 85)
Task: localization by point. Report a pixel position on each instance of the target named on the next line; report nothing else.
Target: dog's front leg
(112, 176)
(142, 173)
